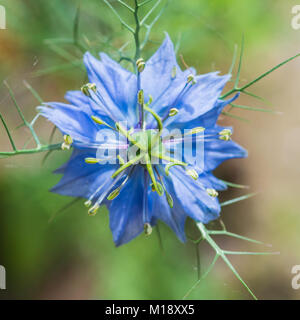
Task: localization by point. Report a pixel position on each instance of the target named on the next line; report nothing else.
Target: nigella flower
(127, 118)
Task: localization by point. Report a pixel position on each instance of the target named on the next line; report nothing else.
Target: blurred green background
(54, 254)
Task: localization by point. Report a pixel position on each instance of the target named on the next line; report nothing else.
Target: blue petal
(191, 196)
(207, 119)
(175, 218)
(218, 151)
(156, 79)
(81, 179)
(78, 124)
(71, 120)
(78, 99)
(201, 105)
(126, 211)
(210, 181)
(116, 85)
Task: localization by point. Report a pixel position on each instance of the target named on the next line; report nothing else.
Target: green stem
(30, 151)
(137, 31)
(28, 125)
(8, 133)
(235, 89)
(221, 253)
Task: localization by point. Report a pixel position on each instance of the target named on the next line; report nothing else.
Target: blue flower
(159, 98)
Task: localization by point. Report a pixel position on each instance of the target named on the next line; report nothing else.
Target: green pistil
(149, 144)
(170, 165)
(152, 175)
(129, 137)
(156, 117)
(128, 164)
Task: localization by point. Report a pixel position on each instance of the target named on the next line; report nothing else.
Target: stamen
(147, 229)
(140, 64)
(191, 79)
(93, 210)
(141, 97)
(67, 142)
(160, 188)
(85, 89)
(98, 120)
(173, 112)
(169, 159)
(212, 192)
(88, 203)
(101, 122)
(174, 72)
(192, 173)
(117, 191)
(195, 131)
(114, 194)
(168, 196)
(169, 200)
(92, 160)
(225, 134)
(90, 88)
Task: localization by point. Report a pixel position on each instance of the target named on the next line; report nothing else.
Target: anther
(173, 112)
(191, 79)
(192, 173)
(225, 134)
(212, 192)
(113, 194)
(92, 160)
(67, 142)
(88, 203)
(93, 210)
(85, 89)
(174, 72)
(147, 229)
(159, 190)
(97, 120)
(141, 97)
(169, 200)
(195, 130)
(140, 64)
